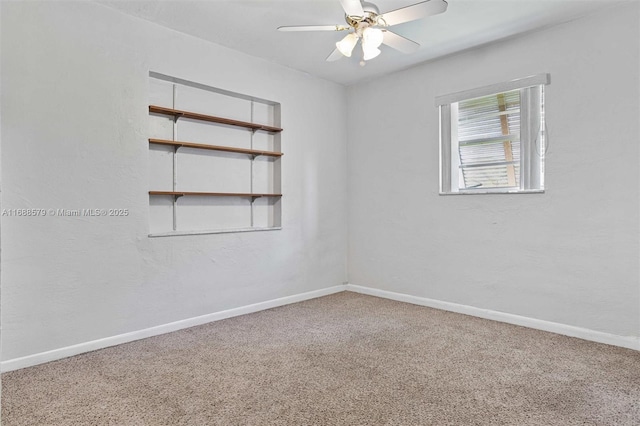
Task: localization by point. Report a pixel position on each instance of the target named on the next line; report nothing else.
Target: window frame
(532, 108)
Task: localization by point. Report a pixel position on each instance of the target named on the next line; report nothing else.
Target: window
(492, 139)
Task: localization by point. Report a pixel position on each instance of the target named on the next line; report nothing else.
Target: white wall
(0, 208)
(74, 131)
(570, 255)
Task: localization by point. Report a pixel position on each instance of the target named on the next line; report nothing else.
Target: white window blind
(489, 141)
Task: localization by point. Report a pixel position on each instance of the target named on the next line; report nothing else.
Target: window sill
(495, 192)
(208, 232)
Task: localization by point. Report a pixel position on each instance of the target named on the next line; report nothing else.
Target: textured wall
(570, 255)
(74, 128)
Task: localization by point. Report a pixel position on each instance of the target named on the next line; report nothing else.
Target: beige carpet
(345, 359)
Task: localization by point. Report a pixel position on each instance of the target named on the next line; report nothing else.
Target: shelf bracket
(255, 197)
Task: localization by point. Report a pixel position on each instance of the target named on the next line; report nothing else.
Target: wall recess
(214, 160)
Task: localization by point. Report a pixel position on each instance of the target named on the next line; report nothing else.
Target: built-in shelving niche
(214, 160)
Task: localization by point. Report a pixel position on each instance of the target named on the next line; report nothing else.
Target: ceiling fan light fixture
(346, 45)
(366, 23)
(371, 40)
(372, 37)
(369, 52)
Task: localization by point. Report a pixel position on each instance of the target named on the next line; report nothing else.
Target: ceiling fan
(367, 24)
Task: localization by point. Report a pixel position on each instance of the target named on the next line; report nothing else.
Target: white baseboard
(629, 342)
(56, 354)
(567, 330)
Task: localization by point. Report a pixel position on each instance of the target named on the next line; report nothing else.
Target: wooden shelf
(215, 147)
(212, 194)
(213, 119)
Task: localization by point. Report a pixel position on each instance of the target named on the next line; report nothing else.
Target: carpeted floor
(344, 359)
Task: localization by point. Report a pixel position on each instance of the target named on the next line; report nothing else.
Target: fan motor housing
(371, 12)
(370, 8)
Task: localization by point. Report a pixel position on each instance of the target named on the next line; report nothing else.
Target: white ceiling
(250, 27)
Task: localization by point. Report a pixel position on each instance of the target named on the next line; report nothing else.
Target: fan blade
(416, 11)
(352, 7)
(314, 28)
(398, 42)
(334, 56)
